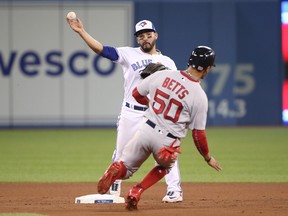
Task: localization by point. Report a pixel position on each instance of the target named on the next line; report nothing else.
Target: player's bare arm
(78, 27)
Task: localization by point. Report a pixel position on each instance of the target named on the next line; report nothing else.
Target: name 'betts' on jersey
(133, 60)
(176, 98)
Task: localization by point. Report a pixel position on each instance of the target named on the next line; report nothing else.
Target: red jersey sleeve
(139, 98)
(200, 141)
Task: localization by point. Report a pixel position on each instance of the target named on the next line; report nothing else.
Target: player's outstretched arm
(200, 141)
(75, 24)
(78, 27)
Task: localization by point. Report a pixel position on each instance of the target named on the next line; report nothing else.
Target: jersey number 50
(171, 108)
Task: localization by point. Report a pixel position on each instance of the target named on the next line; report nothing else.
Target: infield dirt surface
(200, 199)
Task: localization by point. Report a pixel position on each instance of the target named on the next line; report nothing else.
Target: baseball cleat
(173, 197)
(115, 188)
(133, 197)
(110, 175)
(131, 203)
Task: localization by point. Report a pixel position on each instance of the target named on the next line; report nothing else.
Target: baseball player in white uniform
(177, 103)
(133, 60)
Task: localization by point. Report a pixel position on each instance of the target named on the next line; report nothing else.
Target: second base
(99, 198)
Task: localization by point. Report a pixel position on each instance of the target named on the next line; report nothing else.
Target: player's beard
(147, 47)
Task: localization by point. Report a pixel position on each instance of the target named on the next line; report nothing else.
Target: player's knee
(167, 156)
(167, 162)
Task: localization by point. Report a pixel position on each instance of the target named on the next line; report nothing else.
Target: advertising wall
(245, 88)
(48, 76)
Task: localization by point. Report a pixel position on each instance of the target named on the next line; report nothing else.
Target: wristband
(208, 159)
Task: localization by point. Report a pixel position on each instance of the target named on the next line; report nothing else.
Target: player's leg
(127, 125)
(134, 195)
(121, 140)
(117, 170)
(173, 181)
(134, 154)
(158, 142)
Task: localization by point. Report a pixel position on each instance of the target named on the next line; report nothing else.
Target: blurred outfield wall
(48, 76)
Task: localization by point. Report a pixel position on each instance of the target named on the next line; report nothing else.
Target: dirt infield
(265, 199)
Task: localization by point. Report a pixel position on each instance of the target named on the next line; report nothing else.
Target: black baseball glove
(150, 69)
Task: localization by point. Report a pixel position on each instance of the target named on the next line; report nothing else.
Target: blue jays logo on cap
(144, 25)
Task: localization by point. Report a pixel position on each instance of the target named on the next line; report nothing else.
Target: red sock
(156, 174)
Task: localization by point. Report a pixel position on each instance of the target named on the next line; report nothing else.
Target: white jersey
(133, 60)
(177, 103)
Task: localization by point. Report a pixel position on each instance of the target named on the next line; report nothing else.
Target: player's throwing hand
(76, 24)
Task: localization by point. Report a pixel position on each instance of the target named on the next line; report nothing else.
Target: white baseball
(71, 15)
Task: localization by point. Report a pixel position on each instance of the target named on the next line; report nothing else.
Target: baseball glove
(150, 69)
